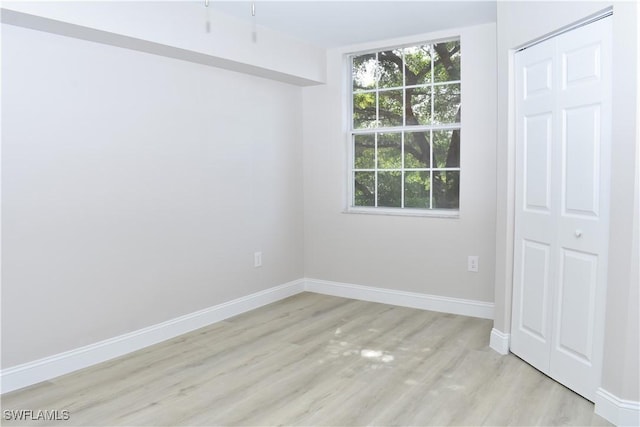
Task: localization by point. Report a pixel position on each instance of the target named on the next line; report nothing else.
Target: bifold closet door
(563, 128)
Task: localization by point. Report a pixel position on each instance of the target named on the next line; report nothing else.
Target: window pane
(447, 61)
(418, 65)
(390, 108)
(364, 72)
(446, 187)
(417, 150)
(416, 189)
(364, 110)
(389, 189)
(389, 151)
(390, 68)
(405, 102)
(364, 189)
(447, 104)
(364, 151)
(446, 148)
(418, 106)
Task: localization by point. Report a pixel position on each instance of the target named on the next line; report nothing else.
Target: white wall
(418, 254)
(184, 29)
(136, 189)
(518, 24)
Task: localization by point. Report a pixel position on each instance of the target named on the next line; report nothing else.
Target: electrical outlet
(472, 263)
(257, 259)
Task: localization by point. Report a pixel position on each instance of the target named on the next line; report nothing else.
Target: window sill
(431, 213)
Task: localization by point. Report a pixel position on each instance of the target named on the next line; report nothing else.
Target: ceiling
(341, 23)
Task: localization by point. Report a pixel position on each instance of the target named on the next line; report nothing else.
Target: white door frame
(580, 371)
(500, 340)
(612, 407)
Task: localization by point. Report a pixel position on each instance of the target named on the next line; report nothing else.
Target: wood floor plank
(314, 360)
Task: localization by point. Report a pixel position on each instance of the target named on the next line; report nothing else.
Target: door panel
(581, 65)
(581, 155)
(578, 272)
(535, 289)
(537, 167)
(583, 223)
(537, 76)
(534, 237)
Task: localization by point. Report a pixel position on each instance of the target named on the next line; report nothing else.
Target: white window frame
(351, 132)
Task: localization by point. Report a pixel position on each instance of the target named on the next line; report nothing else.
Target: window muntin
(405, 127)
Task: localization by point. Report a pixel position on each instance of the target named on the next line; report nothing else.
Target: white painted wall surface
(191, 26)
(136, 189)
(518, 24)
(417, 254)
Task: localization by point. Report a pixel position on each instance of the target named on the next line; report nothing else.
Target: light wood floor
(315, 360)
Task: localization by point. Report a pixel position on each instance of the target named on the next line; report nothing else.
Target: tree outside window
(406, 127)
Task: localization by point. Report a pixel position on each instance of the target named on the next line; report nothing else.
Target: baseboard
(53, 366)
(402, 298)
(499, 341)
(617, 411)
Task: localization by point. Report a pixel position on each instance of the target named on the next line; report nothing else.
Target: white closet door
(535, 219)
(563, 127)
(584, 140)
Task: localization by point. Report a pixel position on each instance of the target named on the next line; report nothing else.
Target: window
(405, 128)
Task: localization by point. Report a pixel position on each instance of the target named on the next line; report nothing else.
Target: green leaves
(364, 71)
(404, 87)
(418, 65)
(364, 110)
(395, 91)
(421, 165)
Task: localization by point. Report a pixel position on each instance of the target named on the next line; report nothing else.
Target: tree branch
(445, 57)
(363, 188)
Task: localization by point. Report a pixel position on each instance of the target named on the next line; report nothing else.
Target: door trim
(586, 21)
(595, 358)
(509, 220)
